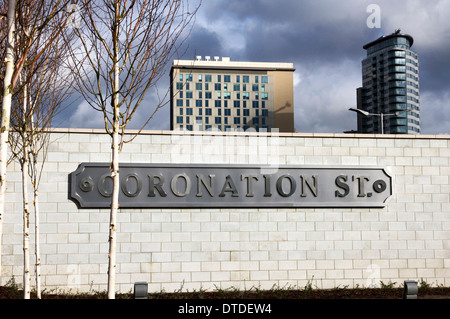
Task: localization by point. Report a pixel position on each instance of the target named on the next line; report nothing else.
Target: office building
(220, 94)
(390, 91)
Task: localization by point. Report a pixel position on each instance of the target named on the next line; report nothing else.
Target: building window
(255, 87)
(255, 104)
(238, 78)
(246, 79)
(217, 103)
(237, 87)
(198, 86)
(189, 94)
(207, 78)
(227, 78)
(179, 119)
(227, 95)
(237, 103)
(264, 96)
(218, 120)
(179, 85)
(246, 96)
(179, 102)
(188, 112)
(217, 87)
(198, 103)
(237, 120)
(264, 79)
(208, 95)
(208, 112)
(256, 79)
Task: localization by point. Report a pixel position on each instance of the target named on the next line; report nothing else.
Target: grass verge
(386, 291)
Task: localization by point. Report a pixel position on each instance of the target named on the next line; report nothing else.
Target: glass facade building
(390, 75)
(223, 95)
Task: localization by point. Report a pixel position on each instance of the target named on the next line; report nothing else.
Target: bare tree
(124, 47)
(6, 107)
(41, 100)
(38, 25)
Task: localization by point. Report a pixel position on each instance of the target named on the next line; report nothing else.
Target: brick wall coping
(232, 133)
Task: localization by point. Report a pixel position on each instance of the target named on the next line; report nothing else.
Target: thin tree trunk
(113, 216)
(37, 245)
(26, 231)
(35, 182)
(115, 162)
(6, 112)
(26, 206)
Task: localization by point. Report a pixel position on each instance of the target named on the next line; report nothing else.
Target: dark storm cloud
(324, 39)
(295, 30)
(201, 42)
(435, 69)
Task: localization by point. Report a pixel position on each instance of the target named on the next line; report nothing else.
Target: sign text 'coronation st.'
(220, 186)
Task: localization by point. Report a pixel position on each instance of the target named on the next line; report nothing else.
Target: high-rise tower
(220, 94)
(390, 91)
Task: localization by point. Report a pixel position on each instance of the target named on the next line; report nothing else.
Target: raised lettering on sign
(166, 185)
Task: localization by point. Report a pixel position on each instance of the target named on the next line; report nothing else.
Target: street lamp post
(381, 115)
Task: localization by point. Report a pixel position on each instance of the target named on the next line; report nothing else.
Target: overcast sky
(324, 40)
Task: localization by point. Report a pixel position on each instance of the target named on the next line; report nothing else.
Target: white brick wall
(241, 248)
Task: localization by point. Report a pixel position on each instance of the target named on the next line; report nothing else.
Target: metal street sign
(216, 186)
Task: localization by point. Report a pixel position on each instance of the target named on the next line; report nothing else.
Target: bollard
(140, 290)
(410, 289)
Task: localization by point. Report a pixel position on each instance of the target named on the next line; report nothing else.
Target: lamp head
(365, 113)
